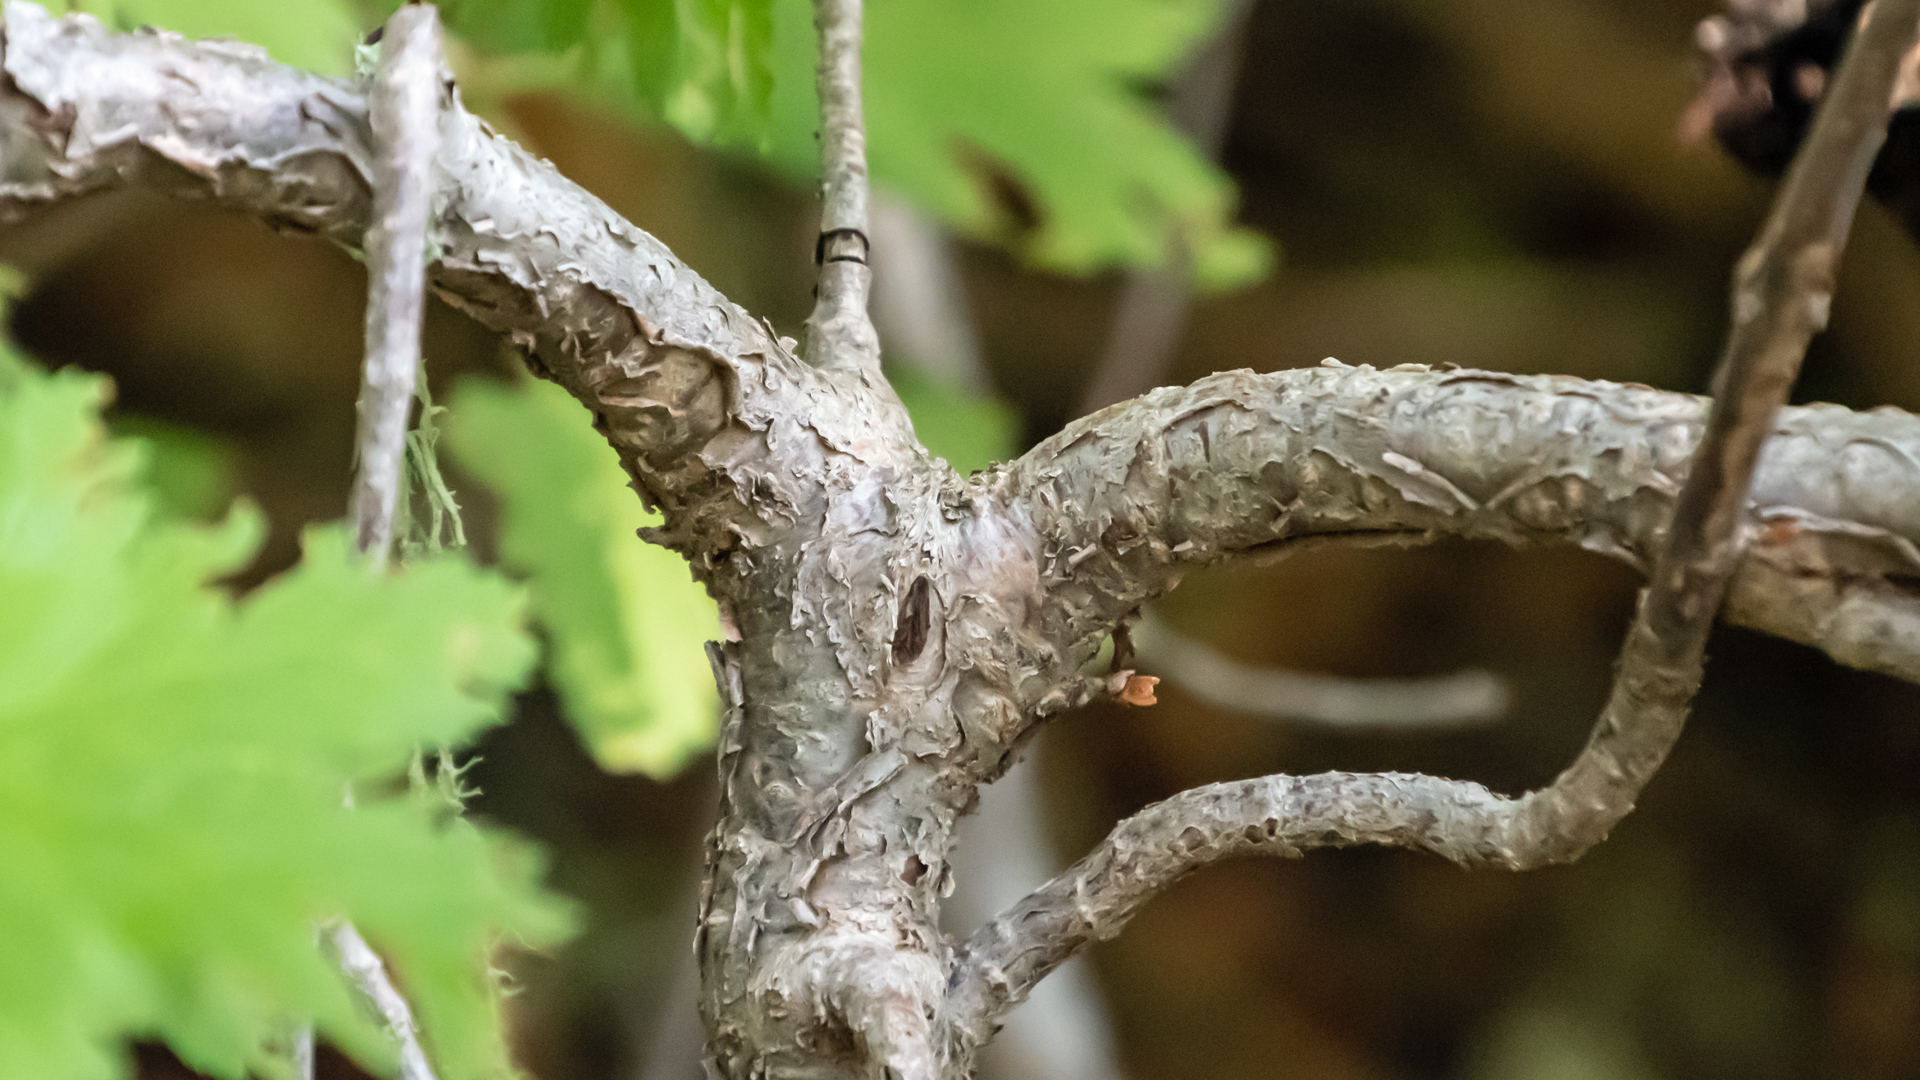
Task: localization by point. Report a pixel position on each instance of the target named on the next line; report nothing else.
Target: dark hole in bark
(913, 871)
(910, 633)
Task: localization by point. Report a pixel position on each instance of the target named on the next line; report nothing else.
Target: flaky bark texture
(894, 631)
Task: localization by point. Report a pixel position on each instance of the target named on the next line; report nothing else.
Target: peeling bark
(895, 630)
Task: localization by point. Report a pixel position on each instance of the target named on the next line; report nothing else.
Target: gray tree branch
(369, 977)
(1782, 291)
(403, 107)
(895, 630)
(1461, 699)
(840, 337)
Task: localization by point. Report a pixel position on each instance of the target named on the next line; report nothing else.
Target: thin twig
(839, 335)
(303, 1052)
(369, 976)
(1151, 314)
(1462, 699)
(920, 298)
(403, 105)
(1781, 294)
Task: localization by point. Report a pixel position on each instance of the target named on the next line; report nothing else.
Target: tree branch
(1151, 315)
(802, 499)
(1781, 294)
(403, 105)
(369, 976)
(1232, 463)
(1462, 699)
(404, 112)
(1129, 500)
(840, 336)
(666, 364)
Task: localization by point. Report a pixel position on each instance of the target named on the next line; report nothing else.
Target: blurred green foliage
(703, 66)
(625, 624)
(173, 765)
(970, 431)
(1028, 123)
(314, 34)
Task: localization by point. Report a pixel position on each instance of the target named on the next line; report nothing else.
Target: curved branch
(1436, 703)
(1129, 500)
(682, 382)
(1781, 294)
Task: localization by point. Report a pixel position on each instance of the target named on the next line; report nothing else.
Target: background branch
(1461, 699)
(1781, 295)
(369, 977)
(919, 298)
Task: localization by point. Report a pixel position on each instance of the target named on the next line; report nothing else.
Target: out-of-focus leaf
(970, 431)
(701, 65)
(172, 765)
(189, 473)
(1024, 121)
(625, 622)
(514, 26)
(318, 35)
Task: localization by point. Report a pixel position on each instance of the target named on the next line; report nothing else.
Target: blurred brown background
(1492, 183)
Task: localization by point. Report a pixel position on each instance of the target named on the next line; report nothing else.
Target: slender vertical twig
(839, 335)
(303, 1052)
(363, 966)
(403, 105)
(1151, 314)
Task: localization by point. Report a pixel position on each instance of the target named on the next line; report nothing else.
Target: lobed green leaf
(173, 765)
(625, 623)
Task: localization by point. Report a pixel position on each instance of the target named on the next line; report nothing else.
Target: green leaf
(981, 111)
(514, 26)
(970, 431)
(965, 98)
(625, 623)
(318, 35)
(703, 66)
(173, 765)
